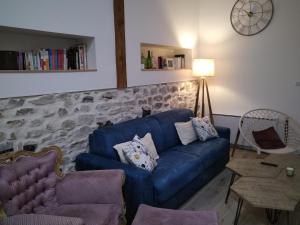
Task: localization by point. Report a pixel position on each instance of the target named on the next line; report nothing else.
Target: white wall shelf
(166, 52)
(19, 39)
(47, 71)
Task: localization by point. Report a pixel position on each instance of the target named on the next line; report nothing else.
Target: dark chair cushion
(268, 139)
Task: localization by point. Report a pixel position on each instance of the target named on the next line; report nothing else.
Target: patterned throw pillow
(204, 129)
(147, 142)
(136, 154)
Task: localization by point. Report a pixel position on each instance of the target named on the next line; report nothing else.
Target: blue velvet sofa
(181, 170)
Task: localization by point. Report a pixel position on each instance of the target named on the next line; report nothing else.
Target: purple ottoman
(147, 215)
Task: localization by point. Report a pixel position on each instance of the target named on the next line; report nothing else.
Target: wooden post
(120, 43)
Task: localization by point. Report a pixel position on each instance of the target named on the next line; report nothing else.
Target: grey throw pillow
(186, 132)
(204, 129)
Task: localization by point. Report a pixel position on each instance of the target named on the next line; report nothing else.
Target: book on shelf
(9, 60)
(74, 58)
(180, 61)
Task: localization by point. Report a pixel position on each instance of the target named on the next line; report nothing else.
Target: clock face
(249, 17)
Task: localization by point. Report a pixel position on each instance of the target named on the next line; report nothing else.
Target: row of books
(74, 58)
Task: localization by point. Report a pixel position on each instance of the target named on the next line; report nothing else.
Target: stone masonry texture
(66, 119)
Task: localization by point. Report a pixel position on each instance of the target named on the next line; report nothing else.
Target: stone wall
(67, 119)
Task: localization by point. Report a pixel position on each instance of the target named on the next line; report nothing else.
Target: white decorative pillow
(119, 148)
(136, 154)
(150, 146)
(147, 142)
(204, 129)
(186, 132)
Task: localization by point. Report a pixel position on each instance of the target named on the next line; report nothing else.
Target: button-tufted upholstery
(32, 184)
(28, 184)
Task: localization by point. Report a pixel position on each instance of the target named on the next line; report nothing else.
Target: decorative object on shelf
(8, 60)
(266, 120)
(143, 61)
(107, 124)
(251, 17)
(290, 171)
(170, 63)
(148, 61)
(146, 112)
(203, 68)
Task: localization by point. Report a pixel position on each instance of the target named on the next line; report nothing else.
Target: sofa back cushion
(167, 122)
(102, 140)
(161, 126)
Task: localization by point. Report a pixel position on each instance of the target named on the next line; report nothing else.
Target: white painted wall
(257, 71)
(167, 22)
(87, 18)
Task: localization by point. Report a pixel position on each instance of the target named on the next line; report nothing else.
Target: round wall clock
(249, 17)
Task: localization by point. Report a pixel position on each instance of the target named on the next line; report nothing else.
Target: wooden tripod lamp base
(203, 68)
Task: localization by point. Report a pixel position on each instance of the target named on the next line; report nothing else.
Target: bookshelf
(47, 71)
(27, 40)
(171, 57)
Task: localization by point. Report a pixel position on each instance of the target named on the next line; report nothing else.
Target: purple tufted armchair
(33, 191)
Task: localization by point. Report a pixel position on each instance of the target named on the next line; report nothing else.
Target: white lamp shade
(204, 67)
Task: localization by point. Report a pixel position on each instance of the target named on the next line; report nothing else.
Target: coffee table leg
(231, 182)
(273, 215)
(287, 217)
(238, 211)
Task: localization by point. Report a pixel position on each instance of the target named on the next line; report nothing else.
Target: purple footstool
(147, 215)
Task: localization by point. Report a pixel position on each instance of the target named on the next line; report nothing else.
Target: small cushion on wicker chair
(268, 139)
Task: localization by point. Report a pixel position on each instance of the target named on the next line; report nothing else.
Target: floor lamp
(203, 68)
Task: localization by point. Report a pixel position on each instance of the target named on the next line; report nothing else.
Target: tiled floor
(212, 196)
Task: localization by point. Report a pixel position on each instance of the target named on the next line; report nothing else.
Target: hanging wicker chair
(287, 129)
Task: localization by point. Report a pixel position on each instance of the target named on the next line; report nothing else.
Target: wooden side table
(266, 186)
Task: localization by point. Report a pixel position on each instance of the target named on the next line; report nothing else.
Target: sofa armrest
(224, 132)
(38, 219)
(138, 187)
(91, 187)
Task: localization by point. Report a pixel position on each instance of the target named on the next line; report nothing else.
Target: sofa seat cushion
(91, 214)
(174, 170)
(207, 152)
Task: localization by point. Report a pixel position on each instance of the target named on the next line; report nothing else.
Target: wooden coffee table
(266, 186)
